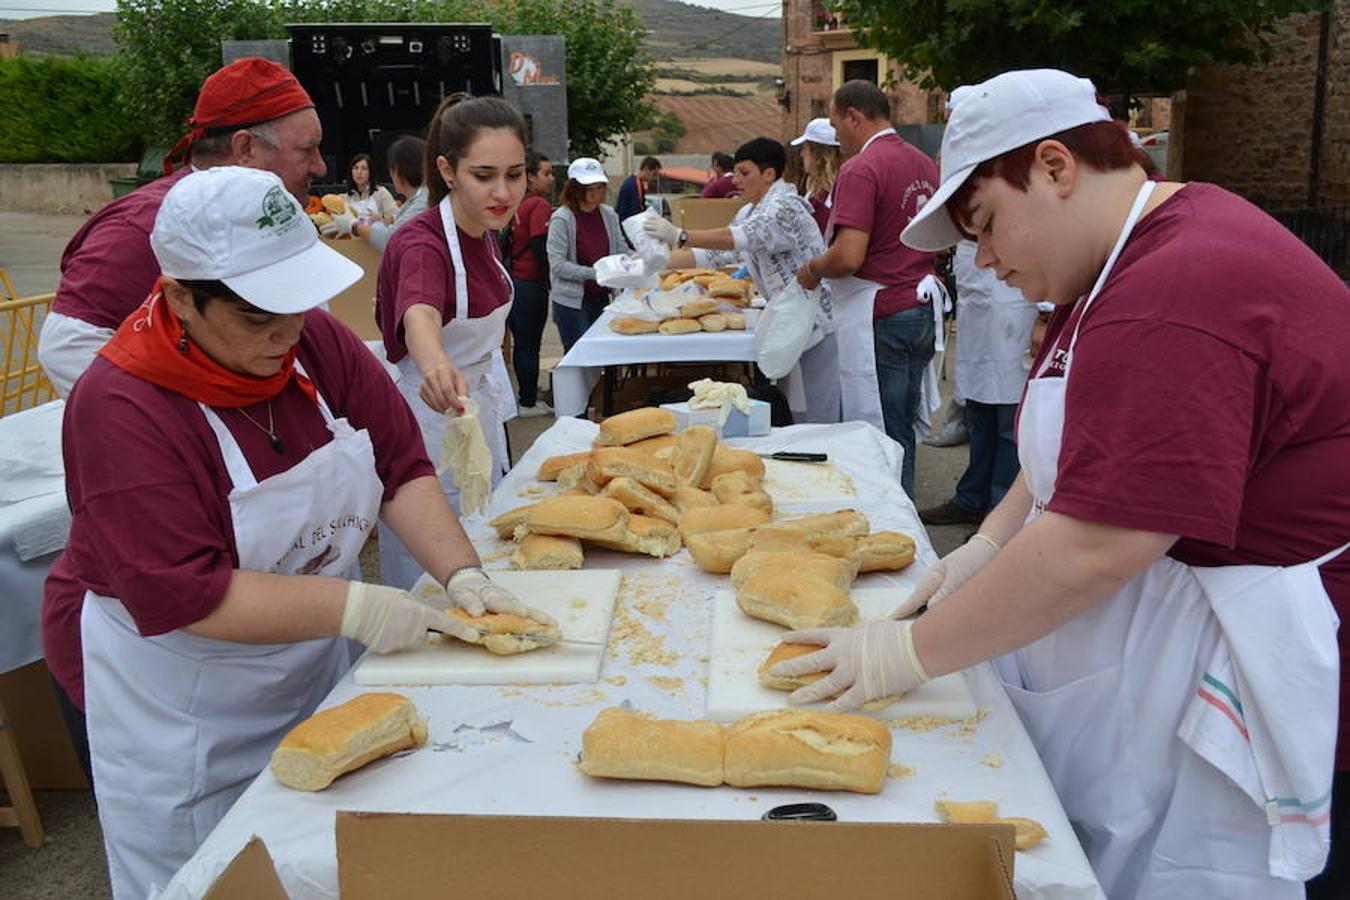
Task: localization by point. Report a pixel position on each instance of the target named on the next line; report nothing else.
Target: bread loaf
(726, 459)
(654, 537)
(344, 738)
(713, 322)
(885, 551)
(695, 308)
(588, 518)
(634, 425)
(334, 203)
(687, 498)
(780, 653)
(548, 551)
(841, 523)
(624, 744)
(640, 499)
(720, 518)
(506, 524)
(680, 326)
(808, 749)
(576, 479)
(654, 445)
(633, 325)
(801, 542)
(607, 463)
(717, 551)
(693, 454)
(794, 601)
(836, 571)
(735, 321)
(740, 489)
(505, 634)
(551, 467)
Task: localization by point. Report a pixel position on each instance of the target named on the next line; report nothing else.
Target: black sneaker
(951, 513)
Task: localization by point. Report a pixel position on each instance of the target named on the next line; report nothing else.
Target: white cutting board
(582, 601)
(740, 644)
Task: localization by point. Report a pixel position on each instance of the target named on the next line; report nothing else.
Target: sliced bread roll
(640, 499)
(780, 653)
(713, 322)
(720, 518)
(808, 749)
(608, 463)
(841, 523)
(344, 738)
(654, 445)
(633, 325)
(728, 459)
(743, 490)
(506, 524)
(550, 468)
(588, 518)
(833, 570)
(633, 745)
(693, 454)
(634, 425)
(717, 551)
(576, 479)
(735, 321)
(801, 542)
(505, 634)
(885, 551)
(680, 326)
(795, 601)
(695, 308)
(654, 537)
(687, 498)
(548, 551)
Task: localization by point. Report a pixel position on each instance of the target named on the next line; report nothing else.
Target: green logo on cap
(278, 209)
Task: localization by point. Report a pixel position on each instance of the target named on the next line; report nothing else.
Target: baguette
(633, 325)
(607, 463)
(588, 518)
(808, 749)
(548, 551)
(713, 322)
(720, 518)
(344, 738)
(505, 634)
(718, 551)
(551, 467)
(640, 499)
(634, 425)
(841, 523)
(687, 498)
(726, 459)
(794, 601)
(885, 551)
(680, 326)
(506, 524)
(740, 489)
(623, 744)
(693, 454)
(696, 308)
(654, 537)
(835, 571)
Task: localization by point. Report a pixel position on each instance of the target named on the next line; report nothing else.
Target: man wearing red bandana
(251, 113)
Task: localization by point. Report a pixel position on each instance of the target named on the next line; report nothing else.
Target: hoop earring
(182, 337)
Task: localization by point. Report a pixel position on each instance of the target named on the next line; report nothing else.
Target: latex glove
(340, 225)
(387, 619)
(662, 230)
(866, 663)
(471, 590)
(952, 571)
(655, 259)
(442, 386)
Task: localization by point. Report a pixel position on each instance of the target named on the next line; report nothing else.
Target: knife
(541, 638)
(797, 456)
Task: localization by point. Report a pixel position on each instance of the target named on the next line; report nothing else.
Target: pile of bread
(706, 310)
(776, 748)
(333, 205)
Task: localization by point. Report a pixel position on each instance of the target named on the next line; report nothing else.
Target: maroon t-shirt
(820, 211)
(1209, 396)
(592, 244)
(531, 222)
(416, 268)
(719, 187)
(879, 191)
(108, 268)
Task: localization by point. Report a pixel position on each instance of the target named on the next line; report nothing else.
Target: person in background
(582, 230)
(820, 159)
(405, 161)
(442, 295)
(253, 113)
(994, 324)
(886, 331)
(722, 184)
(226, 457)
(633, 190)
(771, 235)
(367, 201)
(529, 274)
(1161, 586)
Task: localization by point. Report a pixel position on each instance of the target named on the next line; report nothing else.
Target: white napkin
(723, 395)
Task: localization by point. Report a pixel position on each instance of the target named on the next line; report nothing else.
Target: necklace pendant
(277, 445)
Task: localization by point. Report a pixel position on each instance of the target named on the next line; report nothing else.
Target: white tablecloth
(34, 524)
(576, 373)
(657, 660)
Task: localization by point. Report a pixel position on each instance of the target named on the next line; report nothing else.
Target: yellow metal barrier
(23, 384)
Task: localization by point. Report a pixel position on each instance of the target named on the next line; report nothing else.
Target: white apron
(859, 393)
(1108, 698)
(995, 323)
(475, 347)
(180, 724)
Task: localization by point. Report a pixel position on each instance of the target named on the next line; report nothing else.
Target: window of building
(865, 69)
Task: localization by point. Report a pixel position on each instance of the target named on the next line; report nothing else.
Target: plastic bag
(619, 271)
(643, 243)
(465, 453)
(783, 330)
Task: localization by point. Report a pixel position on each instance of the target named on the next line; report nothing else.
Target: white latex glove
(340, 225)
(471, 590)
(952, 571)
(662, 230)
(868, 662)
(655, 259)
(387, 619)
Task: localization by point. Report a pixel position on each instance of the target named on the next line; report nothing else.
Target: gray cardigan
(566, 277)
(380, 233)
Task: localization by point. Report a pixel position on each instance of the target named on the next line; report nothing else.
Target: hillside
(676, 31)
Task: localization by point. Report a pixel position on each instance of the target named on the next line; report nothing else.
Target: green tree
(167, 48)
(74, 117)
(1124, 46)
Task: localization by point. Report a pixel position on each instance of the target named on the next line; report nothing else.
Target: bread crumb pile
(992, 760)
(896, 770)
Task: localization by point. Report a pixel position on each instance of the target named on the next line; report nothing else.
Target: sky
(27, 9)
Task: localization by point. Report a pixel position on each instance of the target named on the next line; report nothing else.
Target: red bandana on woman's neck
(146, 345)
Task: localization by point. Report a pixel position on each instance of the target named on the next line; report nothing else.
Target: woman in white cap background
(442, 296)
(1164, 574)
(226, 458)
(582, 230)
(820, 161)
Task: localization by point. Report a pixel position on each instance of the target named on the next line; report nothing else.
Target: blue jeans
(904, 346)
(529, 313)
(993, 462)
(572, 323)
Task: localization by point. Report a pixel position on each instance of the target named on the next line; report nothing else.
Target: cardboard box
(382, 855)
(699, 213)
(48, 757)
(738, 424)
(251, 875)
(355, 307)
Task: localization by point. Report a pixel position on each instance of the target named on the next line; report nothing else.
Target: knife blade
(541, 638)
(797, 456)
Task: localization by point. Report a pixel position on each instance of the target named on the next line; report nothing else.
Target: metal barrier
(23, 384)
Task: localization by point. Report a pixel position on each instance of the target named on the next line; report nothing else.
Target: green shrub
(63, 109)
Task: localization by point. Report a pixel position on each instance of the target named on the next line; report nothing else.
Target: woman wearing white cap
(226, 458)
(820, 159)
(1164, 574)
(582, 230)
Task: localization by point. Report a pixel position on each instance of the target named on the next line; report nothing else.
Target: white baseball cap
(989, 119)
(586, 170)
(241, 226)
(818, 131)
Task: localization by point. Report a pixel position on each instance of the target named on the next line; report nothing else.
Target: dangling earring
(182, 337)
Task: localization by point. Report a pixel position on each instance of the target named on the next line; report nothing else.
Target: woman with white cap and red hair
(226, 458)
(1160, 586)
